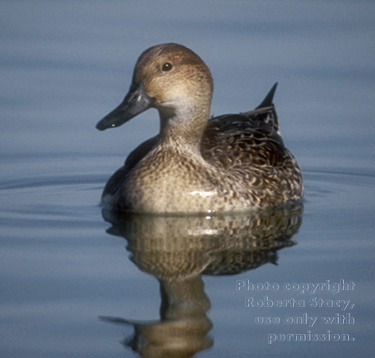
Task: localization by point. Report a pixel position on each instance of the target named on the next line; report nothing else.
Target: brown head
(170, 78)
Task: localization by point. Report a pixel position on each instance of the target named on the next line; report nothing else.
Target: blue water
(75, 282)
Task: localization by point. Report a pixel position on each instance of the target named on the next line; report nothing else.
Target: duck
(197, 164)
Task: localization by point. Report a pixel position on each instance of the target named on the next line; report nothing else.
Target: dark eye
(167, 66)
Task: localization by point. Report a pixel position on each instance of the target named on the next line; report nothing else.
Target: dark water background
(68, 288)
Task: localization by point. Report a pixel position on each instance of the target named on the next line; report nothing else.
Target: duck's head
(168, 77)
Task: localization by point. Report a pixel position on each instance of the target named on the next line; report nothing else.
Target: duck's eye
(167, 66)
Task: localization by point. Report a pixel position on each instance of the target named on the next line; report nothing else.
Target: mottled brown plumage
(228, 163)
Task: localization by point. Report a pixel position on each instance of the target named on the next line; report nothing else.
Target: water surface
(74, 283)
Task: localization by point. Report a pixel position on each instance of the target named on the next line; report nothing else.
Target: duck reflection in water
(178, 250)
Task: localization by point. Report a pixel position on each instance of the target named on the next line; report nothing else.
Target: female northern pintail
(233, 162)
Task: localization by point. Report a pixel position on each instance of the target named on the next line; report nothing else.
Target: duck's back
(251, 137)
(249, 148)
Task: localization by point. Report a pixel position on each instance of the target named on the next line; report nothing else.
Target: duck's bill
(135, 102)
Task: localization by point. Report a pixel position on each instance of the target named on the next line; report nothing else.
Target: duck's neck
(184, 126)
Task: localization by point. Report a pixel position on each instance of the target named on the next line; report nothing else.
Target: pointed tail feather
(267, 102)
